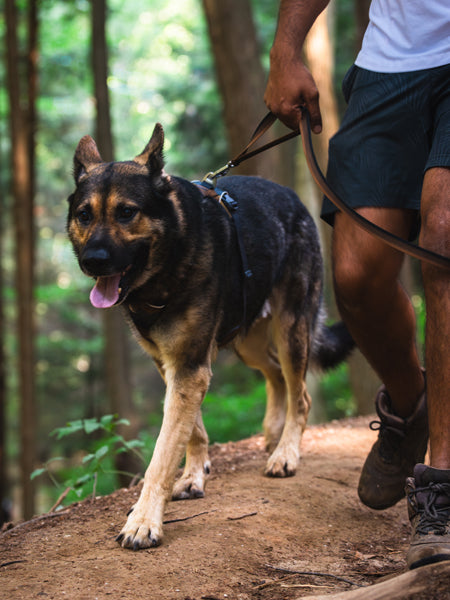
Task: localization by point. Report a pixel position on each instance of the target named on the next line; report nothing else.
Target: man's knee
(435, 211)
(363, 266)
(351, 281)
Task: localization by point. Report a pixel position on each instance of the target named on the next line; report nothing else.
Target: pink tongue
(105, 292)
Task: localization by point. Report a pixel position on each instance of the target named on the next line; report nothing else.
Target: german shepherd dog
(173, 259)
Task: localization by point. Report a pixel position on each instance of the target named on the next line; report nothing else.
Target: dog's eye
(126, 213)
(84, 216)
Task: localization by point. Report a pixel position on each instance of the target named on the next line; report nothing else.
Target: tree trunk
(3, 473)
(241, 80)
(320, 59)
(22, 117)
(116, 352)
(362, 20)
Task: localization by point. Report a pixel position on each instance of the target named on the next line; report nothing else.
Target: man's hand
(291, 86)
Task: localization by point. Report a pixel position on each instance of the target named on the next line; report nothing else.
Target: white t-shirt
(406, 35)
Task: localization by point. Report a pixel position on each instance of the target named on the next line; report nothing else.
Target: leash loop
(389, 238)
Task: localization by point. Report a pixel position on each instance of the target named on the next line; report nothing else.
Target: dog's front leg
(197, 468)
(184, 396)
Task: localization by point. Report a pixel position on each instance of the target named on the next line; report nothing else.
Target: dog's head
(116, 217)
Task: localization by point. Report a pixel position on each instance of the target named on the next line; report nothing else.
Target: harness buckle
(229, 203)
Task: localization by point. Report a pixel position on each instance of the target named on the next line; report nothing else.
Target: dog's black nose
(96, 261)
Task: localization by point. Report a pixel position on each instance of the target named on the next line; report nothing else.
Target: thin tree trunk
(116, 351)
(3, 397)
(22, 128)
(320, 58)
(241, 79)
(362, 20)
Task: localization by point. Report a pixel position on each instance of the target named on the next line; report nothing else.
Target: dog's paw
(282, 464)
(139, 533)
(191, 485)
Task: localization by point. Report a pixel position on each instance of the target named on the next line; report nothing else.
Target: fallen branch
(205, 512)
(11, 562)
(261, 586)
(242, 516)
(60, 499)
(49, 515)
(314, 574)
(305, 585)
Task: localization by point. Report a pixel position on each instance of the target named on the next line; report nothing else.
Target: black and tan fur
(170, 257)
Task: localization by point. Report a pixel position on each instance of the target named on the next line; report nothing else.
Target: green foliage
(229, 415)
(95, 473)
(337, 393)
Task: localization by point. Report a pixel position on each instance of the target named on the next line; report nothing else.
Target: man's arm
(290, 84)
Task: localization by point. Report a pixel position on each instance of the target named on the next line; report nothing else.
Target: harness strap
(231, 207)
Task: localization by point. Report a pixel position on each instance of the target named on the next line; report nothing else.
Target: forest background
(113, 69)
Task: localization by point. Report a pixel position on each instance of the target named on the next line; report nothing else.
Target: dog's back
(280, 243)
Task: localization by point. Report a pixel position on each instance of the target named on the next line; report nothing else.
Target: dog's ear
(86, 158)
(152, 155)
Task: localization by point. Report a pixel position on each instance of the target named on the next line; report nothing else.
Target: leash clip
(211, 177)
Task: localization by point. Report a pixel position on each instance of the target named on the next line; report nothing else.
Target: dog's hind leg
(256, 351)
(197, 468)
(292, 339)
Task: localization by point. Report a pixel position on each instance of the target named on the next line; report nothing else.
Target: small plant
(84, 479)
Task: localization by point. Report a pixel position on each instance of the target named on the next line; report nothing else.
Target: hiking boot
(428, 495)
(401, 444)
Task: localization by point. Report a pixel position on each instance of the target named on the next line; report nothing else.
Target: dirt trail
(234, 543)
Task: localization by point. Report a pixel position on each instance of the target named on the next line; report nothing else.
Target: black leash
(305, 130)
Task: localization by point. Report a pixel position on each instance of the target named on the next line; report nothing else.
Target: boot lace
(433, 518)
(390, 438)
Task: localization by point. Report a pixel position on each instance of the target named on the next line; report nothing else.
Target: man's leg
(374, 305)
(435, 235)
(429, 490)
(381, 319)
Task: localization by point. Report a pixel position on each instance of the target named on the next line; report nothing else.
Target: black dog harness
(208, 189)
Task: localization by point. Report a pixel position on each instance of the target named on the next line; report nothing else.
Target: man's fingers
(316, 118)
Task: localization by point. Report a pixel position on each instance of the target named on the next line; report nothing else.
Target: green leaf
(84, 479)
(107, 420)
(101, 452)
(134, 444)
(37, 472)
(88, 458)
(91, 425)
(71, 427)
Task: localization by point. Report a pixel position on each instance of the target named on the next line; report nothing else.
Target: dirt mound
(250, 538)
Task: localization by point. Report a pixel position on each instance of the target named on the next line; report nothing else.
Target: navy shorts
(396, 126)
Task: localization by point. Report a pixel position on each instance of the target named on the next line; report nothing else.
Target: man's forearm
(290, 86)
(295, 19)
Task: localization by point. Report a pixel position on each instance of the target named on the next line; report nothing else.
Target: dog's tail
(331, 345)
